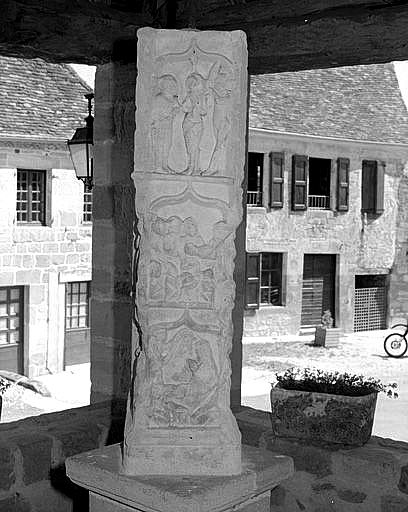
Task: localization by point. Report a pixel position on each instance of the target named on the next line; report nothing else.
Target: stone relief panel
(185, 364)
(191, 110)
(183, 272)
(186, 265)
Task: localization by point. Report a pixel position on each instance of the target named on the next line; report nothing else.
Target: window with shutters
(31, 196)
(264, 279)
(319, 184)
(372, 187)
(311, 183)
(255, 179)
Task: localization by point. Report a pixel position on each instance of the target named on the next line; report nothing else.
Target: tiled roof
(358, 102)
(39, 99)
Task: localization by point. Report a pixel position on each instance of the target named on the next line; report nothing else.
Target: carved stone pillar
(191, 104)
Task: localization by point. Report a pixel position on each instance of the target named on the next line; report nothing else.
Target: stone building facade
(327, 195)
(45, 221)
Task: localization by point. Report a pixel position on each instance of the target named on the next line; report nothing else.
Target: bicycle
(396, 344)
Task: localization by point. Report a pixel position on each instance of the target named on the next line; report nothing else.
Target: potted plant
(4, 385)
(323, 407)
(327, 335)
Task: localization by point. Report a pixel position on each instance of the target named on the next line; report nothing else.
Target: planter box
(321, 418)
(327, 337)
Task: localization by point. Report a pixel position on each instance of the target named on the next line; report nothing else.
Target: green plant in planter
(324, 407)
(336, 383)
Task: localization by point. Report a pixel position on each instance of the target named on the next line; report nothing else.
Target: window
(264, 279)
(77, 305)
(311, 183)
(33, 197)
(255, 179)
(372, 188)
(10, 315)
(87, 205)
(319, 183)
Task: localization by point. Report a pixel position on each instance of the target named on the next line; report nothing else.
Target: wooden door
(77, 331)
(11, 328)
(318, 287)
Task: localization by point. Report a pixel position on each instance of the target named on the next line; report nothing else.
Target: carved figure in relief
(221, 87)
(169, 230)
(221, 231)
(185, 379)
(164, 111)
(197, 123)
(194, 107)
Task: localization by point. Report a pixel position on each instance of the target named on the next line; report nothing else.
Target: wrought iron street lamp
(81, 148)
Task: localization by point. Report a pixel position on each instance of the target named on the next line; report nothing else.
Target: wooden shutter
(343, 171)
(276, 179)
(300, 171)
(48, 195)
(379, 192)
(372, 187)
(252, 280)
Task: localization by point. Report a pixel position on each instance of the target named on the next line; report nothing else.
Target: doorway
(319, 272)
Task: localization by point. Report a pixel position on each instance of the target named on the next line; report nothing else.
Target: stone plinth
(99, 471)
(191, 112)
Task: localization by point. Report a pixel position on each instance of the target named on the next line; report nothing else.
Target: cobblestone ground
(361, 353)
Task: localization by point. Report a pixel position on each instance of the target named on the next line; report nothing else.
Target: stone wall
(373, 478)
(398, 298)
(362, 246)
(113, 231)
(43, 258)
(33, 451)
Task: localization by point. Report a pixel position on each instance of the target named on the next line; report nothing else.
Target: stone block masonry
(33, 452)
(113, 230)
(191, 100)
(32, 465)
(367, 479)
(29, 253)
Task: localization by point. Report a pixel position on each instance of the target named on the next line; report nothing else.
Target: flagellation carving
(190, 114)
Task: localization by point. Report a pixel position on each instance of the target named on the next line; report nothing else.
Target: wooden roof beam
(282, 36)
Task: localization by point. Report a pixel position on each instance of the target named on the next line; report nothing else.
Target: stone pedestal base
(110, 491)
(207, 459)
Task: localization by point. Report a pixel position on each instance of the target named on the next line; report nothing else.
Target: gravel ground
(360, 353)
